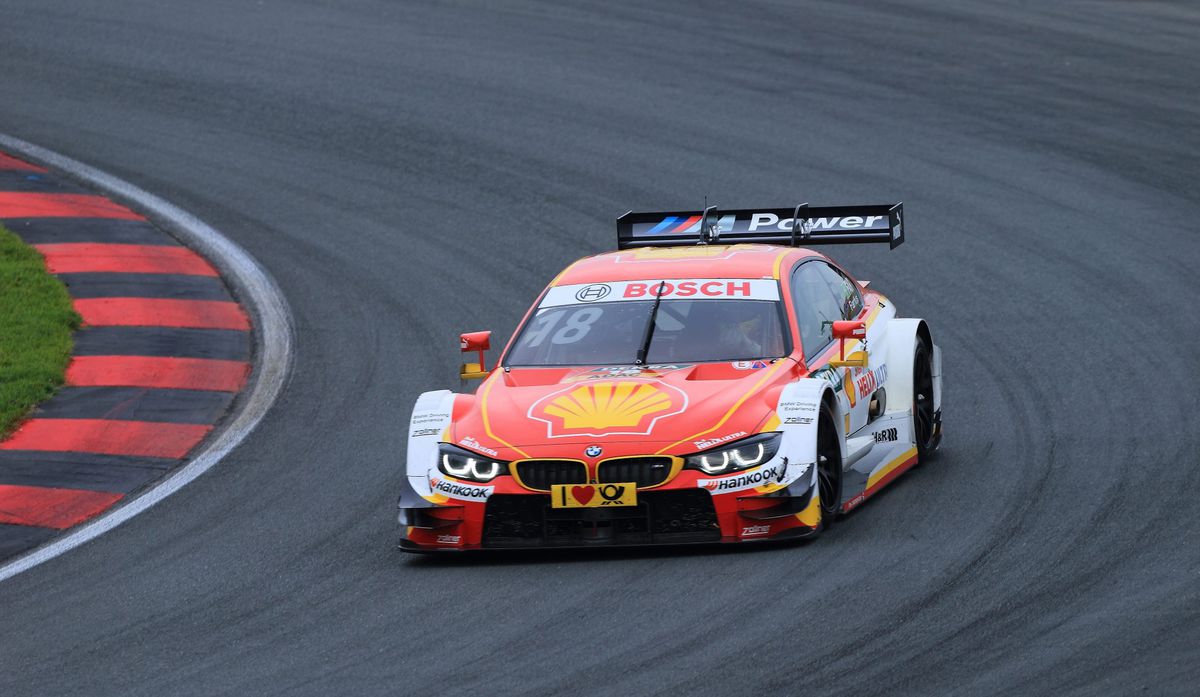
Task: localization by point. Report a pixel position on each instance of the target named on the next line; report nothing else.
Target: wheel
(829, 467)
(925, 427)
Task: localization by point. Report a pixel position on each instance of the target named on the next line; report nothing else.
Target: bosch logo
(593, 451)
(593, 293)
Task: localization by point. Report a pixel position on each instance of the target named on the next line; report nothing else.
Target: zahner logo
(592, 293)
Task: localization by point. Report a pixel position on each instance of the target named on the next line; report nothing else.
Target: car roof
(692, 261)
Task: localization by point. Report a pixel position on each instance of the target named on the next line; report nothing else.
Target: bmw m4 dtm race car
(710, 381)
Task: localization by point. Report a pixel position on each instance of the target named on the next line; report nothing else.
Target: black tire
(829, 467)
(926, 429)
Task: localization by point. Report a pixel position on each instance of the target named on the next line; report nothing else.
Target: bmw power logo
(593, 451)
(592, 293)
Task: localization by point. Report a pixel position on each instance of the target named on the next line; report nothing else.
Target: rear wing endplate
(818, 225)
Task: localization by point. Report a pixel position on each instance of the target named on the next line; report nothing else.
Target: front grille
(527, 520)
(644, 471)
(542, 474)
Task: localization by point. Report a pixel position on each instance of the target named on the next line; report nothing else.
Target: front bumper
(665, 516)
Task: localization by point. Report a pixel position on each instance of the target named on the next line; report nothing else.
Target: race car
(711, 381)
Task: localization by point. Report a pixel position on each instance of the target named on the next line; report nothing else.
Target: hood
(675, 409)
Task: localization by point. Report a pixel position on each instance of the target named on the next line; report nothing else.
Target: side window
(846, 291)
(816, 306)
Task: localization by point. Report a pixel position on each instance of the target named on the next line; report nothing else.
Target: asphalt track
(410, 171)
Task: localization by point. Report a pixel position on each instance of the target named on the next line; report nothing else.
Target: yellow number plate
(593, 495)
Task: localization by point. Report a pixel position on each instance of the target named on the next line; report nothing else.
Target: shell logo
(604, 408)
(848, 382)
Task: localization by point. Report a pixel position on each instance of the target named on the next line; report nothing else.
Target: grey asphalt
(410, 171)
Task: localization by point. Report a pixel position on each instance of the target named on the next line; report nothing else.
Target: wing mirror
(474, 341)
(854, 330)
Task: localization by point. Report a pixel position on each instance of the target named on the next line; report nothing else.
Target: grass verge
(36, 320)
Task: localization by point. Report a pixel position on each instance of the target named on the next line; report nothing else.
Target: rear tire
(829, 467)
(926, 431)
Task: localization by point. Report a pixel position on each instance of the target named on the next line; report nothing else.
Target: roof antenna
(709, 233)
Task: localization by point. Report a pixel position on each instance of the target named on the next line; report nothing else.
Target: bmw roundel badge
(593, 451)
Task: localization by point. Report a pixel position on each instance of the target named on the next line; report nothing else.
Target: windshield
(610, 331)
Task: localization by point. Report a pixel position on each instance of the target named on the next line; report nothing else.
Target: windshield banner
(673, 289)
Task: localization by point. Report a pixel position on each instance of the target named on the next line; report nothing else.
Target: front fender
(431, 418)
(798, 411)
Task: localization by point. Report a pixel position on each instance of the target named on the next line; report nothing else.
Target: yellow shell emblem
(604, 406)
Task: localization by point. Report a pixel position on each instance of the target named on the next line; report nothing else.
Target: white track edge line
(255, 289)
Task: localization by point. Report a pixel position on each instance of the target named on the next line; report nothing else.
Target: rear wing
(823, 225)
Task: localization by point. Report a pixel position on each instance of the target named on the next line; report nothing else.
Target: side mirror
(853, 330)
(474, 341)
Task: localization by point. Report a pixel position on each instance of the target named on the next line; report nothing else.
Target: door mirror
(853, 330)
(850, 329)
(474, 341)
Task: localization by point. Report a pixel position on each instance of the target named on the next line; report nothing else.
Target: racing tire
(926, 430)
(829, 467)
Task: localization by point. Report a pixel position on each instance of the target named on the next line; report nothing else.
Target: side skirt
(892, 454)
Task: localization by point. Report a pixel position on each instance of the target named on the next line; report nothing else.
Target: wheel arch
(924, 333)
(829, 398)
(935, 355)
(902, 336)
(793, 403)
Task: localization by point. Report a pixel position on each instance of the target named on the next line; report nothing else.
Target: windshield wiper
(648, 334)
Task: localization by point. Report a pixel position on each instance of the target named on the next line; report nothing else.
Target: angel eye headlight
(464, 464)
(739, 455)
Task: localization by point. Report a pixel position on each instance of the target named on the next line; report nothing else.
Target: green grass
(36, 320)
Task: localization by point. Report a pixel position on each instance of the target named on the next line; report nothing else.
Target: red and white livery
(745, 388)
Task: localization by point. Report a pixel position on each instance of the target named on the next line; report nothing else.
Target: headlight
(739, 455)
(465, 464)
